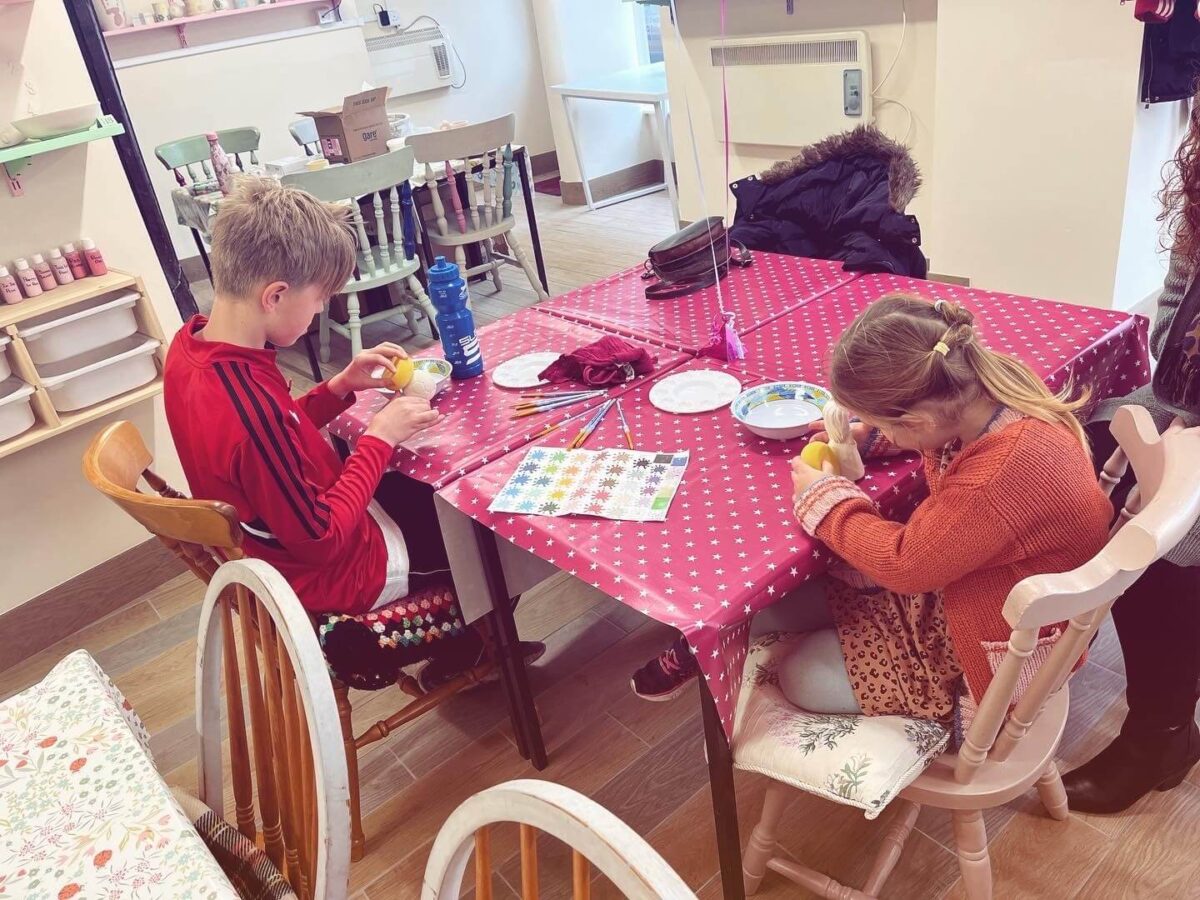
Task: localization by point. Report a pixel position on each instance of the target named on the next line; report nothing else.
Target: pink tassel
(724, 342)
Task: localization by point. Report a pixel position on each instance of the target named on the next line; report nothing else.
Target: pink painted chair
(1010, 747)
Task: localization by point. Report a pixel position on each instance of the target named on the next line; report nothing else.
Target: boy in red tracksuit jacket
(278, 254)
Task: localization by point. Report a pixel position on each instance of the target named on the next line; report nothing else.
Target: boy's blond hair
(267, 232)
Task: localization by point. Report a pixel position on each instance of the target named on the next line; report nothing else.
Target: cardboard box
(358, 129)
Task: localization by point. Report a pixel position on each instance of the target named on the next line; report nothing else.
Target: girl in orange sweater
(915, 623)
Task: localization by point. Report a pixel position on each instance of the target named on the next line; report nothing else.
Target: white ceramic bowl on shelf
(59, 123)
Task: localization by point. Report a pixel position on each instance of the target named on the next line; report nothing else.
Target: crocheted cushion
(368, 651)
(861, 761)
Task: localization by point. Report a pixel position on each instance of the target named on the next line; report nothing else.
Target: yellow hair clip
(941, 347)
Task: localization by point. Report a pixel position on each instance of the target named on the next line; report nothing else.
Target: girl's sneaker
(667, 675)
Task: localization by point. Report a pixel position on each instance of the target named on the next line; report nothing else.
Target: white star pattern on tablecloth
(790, 313)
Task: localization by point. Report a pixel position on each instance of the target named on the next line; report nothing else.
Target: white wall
(578, 41)
(1142, 261)
(1035, 120)
(912, 82)
(52, 524)
(266, 84)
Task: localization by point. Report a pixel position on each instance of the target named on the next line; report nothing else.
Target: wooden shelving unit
(50, 421)
(180, 24)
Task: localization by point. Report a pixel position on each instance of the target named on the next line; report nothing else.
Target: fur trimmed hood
(904, 178)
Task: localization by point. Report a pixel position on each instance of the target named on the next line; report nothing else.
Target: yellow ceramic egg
(816, 454)
(403, 374)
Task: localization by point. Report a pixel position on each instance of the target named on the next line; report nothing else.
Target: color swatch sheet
(629, 485)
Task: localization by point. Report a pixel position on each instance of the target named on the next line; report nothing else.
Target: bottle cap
(211, 135)
(56, 253)
(21, 264)
(87, 244)
(68, 248)
(36, 259)
(442, 269)
(3, 272)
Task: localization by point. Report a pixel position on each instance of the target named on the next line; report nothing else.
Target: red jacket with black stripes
(243, 439)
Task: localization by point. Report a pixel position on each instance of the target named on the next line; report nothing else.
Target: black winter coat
(842, 199)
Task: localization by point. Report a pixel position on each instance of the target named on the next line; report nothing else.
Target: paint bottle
(9, 292)
(75, 261)
(41, 269)
(27, 279)
(95, 262)
(58, 265)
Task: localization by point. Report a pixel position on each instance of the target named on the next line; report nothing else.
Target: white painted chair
(596, 836)
(484, 152)
(304, 133)
(1009, 746)
(290, 764)
(391, 261)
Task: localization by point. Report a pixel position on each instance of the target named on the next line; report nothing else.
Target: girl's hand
(860, 431)
(805, 476)
(357, 376)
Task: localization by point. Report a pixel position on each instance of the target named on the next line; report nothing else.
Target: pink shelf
(188, 20)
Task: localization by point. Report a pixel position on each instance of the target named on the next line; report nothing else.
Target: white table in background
(646, 85)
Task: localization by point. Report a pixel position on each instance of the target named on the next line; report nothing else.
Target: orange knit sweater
(1019, 501)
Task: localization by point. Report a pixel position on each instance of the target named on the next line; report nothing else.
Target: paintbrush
(549, 428)
(625, 426)
(521, 412)
(586, 431)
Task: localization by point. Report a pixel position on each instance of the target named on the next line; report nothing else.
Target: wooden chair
(596, 836)
(485, 152)
(205, 534)
(1009, 746)
(290, 763)
(304, 133)
(392, 260)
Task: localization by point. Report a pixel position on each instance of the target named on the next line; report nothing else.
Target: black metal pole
(108, 91)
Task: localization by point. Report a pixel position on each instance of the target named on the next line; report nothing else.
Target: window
(648, 37)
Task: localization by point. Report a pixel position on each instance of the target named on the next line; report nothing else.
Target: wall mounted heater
(409, 62)
(789, 89)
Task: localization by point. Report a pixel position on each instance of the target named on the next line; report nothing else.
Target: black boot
(1137, 762)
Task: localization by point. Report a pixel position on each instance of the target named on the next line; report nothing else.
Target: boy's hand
(357, 375)
(805, 476)
(401, 419)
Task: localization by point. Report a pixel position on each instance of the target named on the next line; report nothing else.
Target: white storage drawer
(5, 366)
(97, 375)
(16, 413)
(75, 330)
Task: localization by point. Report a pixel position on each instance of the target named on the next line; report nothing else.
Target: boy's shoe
(446, 667)
(667, 675)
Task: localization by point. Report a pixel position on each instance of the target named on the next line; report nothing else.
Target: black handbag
(692, 258)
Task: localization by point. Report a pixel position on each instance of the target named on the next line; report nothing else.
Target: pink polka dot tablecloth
(479, 426)
(1103, 349)
(755, 295)
(729, 547)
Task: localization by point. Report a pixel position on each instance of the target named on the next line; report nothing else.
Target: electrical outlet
(852, 86)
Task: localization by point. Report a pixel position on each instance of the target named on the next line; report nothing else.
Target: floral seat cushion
(861, 761)
(367, 651)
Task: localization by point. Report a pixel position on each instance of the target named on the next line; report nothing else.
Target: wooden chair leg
(324, 335)
(1053, 794)
(496, 265)
(761, 846)
(358, 841)
(970, 839)
(418, 291)
(527, 266)
(354, 324)
(901, 826)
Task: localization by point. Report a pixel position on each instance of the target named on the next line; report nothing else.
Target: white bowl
(56, 124)
(10, 137)
(780, 410)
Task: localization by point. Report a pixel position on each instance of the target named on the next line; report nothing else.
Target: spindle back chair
(1010, 744)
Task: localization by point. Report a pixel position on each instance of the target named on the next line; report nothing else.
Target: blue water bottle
(448, 291)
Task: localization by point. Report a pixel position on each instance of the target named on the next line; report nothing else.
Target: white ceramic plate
(58, 123)
(522, 371)
(695, 392)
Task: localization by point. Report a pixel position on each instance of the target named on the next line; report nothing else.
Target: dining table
(83, 810)
(729, 546)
